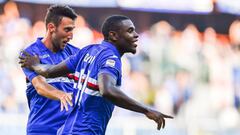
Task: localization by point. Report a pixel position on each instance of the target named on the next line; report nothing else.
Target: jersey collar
(40, 44)
(112, 47)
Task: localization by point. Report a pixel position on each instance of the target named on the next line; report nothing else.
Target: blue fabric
(45, 116)
(92, 112)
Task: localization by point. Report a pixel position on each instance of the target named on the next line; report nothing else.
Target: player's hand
(65, 100)
(28, 61)
(158, 117)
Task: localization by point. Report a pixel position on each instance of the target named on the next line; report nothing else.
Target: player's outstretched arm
(108, 89)
(46, 90)
(33, 63)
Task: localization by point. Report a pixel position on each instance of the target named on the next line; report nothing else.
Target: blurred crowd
(187, 73)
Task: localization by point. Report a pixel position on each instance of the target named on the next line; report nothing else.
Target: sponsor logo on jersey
(110, 63)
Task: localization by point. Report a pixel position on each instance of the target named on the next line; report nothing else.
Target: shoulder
(71, 48)
(91, 48)
(84, 50)
(109, 59)
(97, 50)
(108, 53)
(32, 48)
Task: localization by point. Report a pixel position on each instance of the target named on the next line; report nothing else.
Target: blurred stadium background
(187, 65)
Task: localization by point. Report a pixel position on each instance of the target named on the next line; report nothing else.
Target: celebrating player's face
(63, 33)
(127, 37)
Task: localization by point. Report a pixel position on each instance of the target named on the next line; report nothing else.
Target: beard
(57, 45)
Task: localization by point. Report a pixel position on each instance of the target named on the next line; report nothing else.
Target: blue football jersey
(45, 116)
(92, 112)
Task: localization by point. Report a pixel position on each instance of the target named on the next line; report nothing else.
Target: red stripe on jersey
(89, 85)
(71, 76)
(93, 86)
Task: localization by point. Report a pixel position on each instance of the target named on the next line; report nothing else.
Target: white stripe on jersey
(92, 92)
(90, 80)
(57, 79)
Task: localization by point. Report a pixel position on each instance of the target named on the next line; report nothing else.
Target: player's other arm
(46, 90)
(108, 89)
(33, 63)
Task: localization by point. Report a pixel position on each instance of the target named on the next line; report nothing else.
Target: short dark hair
(112, 23)
(55, 13)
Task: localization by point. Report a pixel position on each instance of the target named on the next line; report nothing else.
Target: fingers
(28, 61)
(159, 123)
(158, 117)
(69, 99)
(66, 100)
(64, 105)
(163, 121)
(22, 63)
(61, 106)
(21, 58)
(25, 53)
(167, 116)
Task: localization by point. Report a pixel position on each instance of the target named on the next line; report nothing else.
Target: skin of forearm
(50, 71)
(46, 90)
(42, 69)
(120, 99)
(115, 95)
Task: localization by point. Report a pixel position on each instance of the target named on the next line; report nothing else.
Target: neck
(119, 49)
(47, 42)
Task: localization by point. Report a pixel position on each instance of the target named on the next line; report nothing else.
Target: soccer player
(43, 95)
(98, 69)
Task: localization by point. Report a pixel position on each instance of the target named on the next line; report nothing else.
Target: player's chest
(52, 58)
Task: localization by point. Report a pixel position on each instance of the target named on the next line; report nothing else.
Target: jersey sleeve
(29, 73)
(72, 61)
(111, 64)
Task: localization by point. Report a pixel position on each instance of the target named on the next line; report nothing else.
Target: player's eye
(130, 30)
(68, 29)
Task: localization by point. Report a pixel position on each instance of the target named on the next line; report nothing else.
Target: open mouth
(65, 42)
(134, 43)
(135, 40)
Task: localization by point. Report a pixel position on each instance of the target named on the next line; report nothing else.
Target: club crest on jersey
(110, 63)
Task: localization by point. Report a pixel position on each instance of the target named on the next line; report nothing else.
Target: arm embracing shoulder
(33, 63)
(51, 70)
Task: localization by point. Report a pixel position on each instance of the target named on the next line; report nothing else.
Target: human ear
(113, 35)
(51, 27)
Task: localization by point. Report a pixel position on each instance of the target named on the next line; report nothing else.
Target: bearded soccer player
(47, 96)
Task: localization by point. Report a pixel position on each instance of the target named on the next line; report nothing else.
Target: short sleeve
(111, 65)
(29, 73)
